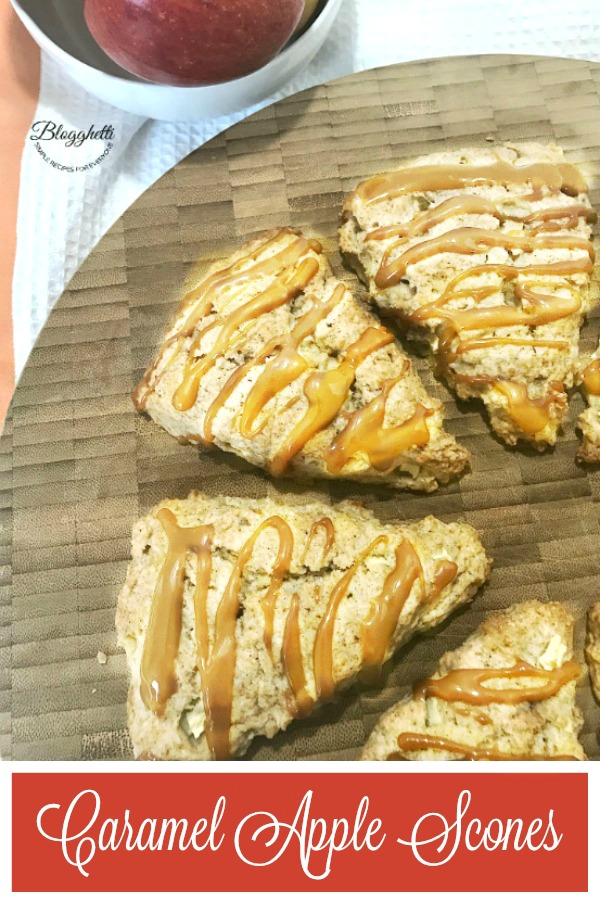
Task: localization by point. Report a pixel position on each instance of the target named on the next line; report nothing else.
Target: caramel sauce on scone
(279, 293)
(326, 393)
(380, 624)
(328, 527)
(293, 665)
(532, 415)
(216, 641)
(468, 242)
(472, 687)
(287, 274)
(445, 573)
(365, 433)
(551, 219)
(323, 650)
(410, 742)
(286, 366)
(544, 293)
(591, 378)
(198, 303)
(157, 673)
(217, 665)
(556, 177)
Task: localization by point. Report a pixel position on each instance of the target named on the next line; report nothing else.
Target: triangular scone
(274, 359)
(592, 647)
(484, 254)
(589, 421)
(239, 615)
(507, 693)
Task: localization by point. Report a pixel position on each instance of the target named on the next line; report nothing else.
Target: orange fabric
(19, 92)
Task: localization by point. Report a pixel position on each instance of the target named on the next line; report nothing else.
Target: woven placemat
(78, 465)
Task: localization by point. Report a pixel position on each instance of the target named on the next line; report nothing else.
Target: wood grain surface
(78, 465)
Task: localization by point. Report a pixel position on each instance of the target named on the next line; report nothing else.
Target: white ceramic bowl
(59, 28)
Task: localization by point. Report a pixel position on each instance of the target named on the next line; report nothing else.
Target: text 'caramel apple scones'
(485, 255)
(239, 615)
(508, 693)
(274, 359)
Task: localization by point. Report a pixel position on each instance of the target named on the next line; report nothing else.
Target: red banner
(300, 832)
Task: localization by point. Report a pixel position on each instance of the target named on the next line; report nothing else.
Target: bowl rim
(44, 41)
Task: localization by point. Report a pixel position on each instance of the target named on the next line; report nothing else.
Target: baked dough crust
(540, 634)
(520, 371)
(319, 562)
(211, 363)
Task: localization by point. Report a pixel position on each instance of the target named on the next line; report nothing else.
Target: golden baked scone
(592, 647)
(589, 420)
(485, 255)
(274, 359)
(239, 615)
(507, 693)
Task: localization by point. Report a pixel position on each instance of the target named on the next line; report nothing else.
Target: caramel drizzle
(410, 742)
(384, 615)
(382, 620)
(218, 668)
(217, 663)
(530, 415)
(591, 378)
(326, 393)
(549, 219)
(468, 204)
(445, 573)
(283, 289)
(469, 685)
(542, 309)
(484, 343)
(445, 356)
(291, 659)
(364, 433)
(279, 372)
(379, 626)
(556, 177)
(327, 525)
(282, 565)
(286, 366)
(323, 649)
(198, 302)
(467, 241)
(158, 682)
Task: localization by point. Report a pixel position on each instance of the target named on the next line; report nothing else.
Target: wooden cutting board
(78, 465)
